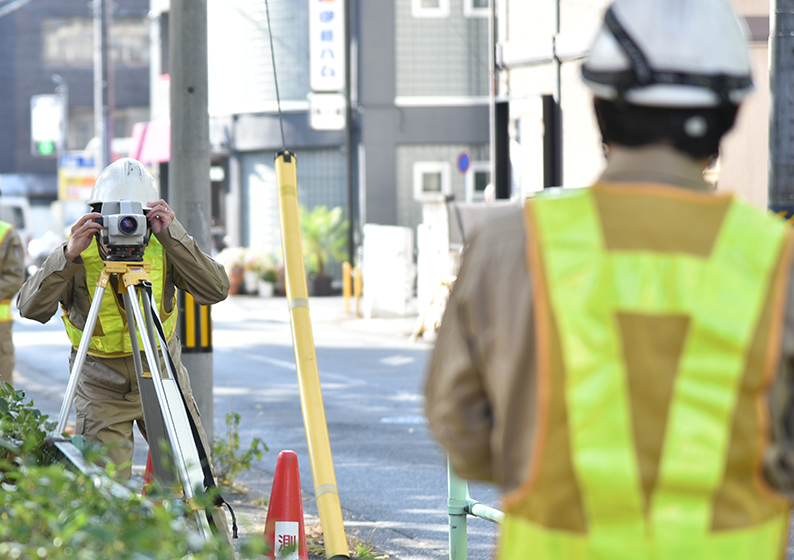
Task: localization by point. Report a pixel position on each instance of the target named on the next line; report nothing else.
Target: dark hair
(696, 131)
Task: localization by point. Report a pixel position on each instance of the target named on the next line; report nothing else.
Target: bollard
(346, 285)
(358, 278)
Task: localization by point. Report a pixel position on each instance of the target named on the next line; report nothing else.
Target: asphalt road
(390, 472)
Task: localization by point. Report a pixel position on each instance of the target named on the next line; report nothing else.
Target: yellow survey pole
(306, 360)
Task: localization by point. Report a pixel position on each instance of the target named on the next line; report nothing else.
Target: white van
(16, 211)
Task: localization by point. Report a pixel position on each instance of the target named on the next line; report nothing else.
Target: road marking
(404, 420)
(397, 360)
(344, 380)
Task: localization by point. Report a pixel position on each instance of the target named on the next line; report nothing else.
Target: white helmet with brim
(670, 53)
(125, 179)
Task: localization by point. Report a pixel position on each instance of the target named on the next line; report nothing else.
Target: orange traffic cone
(285, 536)
(148, 474)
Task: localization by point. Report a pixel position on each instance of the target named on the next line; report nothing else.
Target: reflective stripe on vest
(5, 310)
(587, 285)
(5, 227)
(111, 337)
(5, 305)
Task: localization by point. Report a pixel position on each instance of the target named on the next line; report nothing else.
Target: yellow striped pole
(325, 489)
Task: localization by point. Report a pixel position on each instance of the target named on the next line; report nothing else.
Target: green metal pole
(458, 491)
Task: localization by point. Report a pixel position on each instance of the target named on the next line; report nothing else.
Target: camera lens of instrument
(128, 225)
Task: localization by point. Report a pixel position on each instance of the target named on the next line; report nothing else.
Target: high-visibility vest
(111, 338)
(5, 304)
(658, 321)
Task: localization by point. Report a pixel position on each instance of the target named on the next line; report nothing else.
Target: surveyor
(618, 358)
(107, 398)
(12, 275)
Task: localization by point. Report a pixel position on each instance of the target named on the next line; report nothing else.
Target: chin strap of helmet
(641, 74)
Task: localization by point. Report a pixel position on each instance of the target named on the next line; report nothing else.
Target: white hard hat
(125, 179)
(670, 53)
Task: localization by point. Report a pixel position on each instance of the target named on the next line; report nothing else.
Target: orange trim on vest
(779, 301)
(542, 313)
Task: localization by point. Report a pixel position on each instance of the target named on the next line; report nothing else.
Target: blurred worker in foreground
(611, 356)
(12, 275)
(107, 399)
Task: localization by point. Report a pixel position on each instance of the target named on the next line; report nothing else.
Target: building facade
(418, 104)
(47, 47)
(540, 46)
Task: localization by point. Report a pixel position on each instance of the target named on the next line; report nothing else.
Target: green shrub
(49, 510)
(226, 458)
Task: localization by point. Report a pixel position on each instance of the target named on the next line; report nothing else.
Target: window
(478, 176)
(70, 41)
(430, 8)
(431, 181)
(129, 41)
(476, 8)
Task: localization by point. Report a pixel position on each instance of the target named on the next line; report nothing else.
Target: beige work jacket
(12, 265)
(12, 275)
(62, 281)
(481, 379)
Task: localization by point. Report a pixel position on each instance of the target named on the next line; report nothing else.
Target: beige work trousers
(108, 402)
(7, 361)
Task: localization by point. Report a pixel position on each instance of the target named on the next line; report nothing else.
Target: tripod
(164, 410)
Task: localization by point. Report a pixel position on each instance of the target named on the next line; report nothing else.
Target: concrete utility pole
(103, 85)
(189, 166)
(781, 107)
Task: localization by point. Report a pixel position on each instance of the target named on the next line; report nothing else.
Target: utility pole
(62, 89)
(189, 166)
(103, 85)
(781, 107)
(351, 96)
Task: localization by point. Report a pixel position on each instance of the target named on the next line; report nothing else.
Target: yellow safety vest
(659, 316)
(111, 337)
(5, 304)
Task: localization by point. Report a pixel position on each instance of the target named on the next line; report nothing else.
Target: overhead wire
(275, 78)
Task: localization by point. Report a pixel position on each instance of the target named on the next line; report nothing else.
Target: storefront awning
(151, 141)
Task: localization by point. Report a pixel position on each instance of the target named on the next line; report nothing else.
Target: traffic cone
(284, 525)
(148, 474)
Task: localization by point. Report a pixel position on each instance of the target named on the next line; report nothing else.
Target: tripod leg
(162, 458)
(79, 360)
(173, 412)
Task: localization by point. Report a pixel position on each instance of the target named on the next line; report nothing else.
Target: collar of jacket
(654, 164)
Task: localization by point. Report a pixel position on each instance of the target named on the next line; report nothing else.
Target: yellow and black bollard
(346, 281)
(195, 325)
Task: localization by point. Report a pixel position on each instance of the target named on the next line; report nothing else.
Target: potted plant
(268, 281)
(324, 234)
(253, 267)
